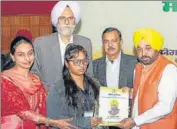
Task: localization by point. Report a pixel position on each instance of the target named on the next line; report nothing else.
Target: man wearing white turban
(49, 50)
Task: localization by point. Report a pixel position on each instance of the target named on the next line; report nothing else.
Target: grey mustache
(110, 48)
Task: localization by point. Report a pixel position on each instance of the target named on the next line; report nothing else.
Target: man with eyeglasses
(49, 50)
(115, 69)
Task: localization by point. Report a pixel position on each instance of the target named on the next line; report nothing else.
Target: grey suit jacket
(127, 65)
(48, 62)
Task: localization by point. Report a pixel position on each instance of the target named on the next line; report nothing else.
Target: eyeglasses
(78, 62)
(63, 19)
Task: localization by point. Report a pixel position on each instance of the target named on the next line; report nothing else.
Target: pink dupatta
(18, 85)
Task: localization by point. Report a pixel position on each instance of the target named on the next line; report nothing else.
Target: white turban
(59, 8)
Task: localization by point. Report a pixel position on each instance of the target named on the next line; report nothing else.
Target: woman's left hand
(95, 121)
(64, 124)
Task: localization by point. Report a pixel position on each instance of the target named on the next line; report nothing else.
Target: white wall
(127, 16)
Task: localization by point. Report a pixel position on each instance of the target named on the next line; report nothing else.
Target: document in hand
(113, 105)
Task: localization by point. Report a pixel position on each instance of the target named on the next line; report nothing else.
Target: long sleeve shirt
(167, 96)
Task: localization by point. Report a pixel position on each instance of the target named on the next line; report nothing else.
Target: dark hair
(3, 60)
(14, 44)
(17, 41)
(71, 89)
(110, 29)
(8, 64)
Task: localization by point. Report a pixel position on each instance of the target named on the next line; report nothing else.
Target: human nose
(27, 57)
(109, 43)
(81, 63)
(66, 21)
(143, 52)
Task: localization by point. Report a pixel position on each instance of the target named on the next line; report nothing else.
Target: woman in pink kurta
(20, 105)
(23, 97)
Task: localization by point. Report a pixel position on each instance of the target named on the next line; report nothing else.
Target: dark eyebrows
(31, 50)
(148, 46)
(20, 52)
(27, 52)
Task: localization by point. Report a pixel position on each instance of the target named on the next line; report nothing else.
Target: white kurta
(167, 97)
(63, 47)
(112, 72)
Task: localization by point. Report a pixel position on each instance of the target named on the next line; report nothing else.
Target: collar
(115, 60)
(61, 41)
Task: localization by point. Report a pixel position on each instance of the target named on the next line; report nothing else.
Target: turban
(59, 8)
(151, 36)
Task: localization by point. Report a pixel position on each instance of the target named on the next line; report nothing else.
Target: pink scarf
(30, 84)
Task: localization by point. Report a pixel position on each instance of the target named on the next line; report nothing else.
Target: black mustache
(110, 48)
(145, 57)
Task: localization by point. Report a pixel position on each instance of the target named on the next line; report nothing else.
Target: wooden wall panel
(38, 25)
(5, 20)
(44, 20)
(34, 20)
(35, 30)
(25, 20)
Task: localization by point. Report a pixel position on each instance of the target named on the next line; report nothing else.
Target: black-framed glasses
(78, 62)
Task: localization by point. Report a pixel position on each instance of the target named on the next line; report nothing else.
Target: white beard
(65, 30)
